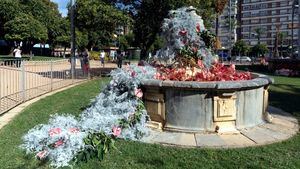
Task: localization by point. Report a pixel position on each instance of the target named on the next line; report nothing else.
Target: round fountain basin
(206, 106)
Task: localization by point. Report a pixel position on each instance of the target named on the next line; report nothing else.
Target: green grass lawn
(284, 94)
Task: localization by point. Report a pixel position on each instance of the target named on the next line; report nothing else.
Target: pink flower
(138, 93)
(117, 131)
(58, 143)
(133, 74)
(198, 28)
(42, 154)
(54, 131)
(182, 32)
(73, 130)
(200, 63)
(157, 76)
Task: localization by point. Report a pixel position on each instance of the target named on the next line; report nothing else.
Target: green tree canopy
(258, 50)
(99, 19)
(240, 48)
(25, 27)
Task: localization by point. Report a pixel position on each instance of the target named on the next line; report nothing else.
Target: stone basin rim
(258, 81)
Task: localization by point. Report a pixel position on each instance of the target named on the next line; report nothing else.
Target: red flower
(183, 32)
(117, 131)
(198, 28)
(58, 143)
(73, 130)
(54, 131)
(138, 93)
(42, 154)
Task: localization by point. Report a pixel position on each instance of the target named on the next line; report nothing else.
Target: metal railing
(23, 80)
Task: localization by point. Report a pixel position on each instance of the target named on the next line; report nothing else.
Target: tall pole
(298, 27)
(230, 29)
(293, 14)
(72, 40)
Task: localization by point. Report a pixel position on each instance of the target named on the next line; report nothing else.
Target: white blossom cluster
(183, 19)
(62, 138)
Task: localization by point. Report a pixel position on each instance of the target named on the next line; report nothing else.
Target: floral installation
(187, 51)
(117, 112)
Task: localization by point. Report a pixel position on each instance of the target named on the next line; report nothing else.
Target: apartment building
(228, 25)
(270, 16)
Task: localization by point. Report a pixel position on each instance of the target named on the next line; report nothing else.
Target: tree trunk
(143, 54)
(64, 55)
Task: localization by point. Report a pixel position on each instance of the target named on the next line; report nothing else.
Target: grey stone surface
(152, 82)
(236, 140)
(168, 83)
(188, 110)
(182, 139)
(261, 135)
(283, 128)
(228, 85)
(209, 140)
(195, 85)
(249, 108)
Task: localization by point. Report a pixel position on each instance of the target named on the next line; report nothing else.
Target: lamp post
(72, 39)
(298, 27)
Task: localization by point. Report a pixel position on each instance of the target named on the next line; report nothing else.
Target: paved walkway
(283, 126)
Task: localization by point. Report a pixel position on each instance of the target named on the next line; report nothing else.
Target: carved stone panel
(155, 106)
(224, 108)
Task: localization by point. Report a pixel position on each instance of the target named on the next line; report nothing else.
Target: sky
(62, 6)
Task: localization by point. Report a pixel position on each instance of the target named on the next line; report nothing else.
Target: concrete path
(283, 126)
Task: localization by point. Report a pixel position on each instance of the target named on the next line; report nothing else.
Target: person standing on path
(119, 58)
(17, 52)
(102, 57)
(85, 59)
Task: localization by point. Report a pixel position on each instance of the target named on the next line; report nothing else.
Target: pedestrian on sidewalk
(17, 52)
(119, 58)
(102, 57)
(85, 60)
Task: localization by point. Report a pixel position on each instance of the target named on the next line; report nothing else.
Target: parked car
(242, 59)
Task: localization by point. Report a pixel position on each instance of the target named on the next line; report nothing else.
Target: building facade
(269, 19)
(228, 25)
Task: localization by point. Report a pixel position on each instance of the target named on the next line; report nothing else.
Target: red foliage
(218, 72)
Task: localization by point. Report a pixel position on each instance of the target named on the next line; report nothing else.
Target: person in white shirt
(102, 56)
(17, 52)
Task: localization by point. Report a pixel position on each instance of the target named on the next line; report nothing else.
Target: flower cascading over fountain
(187, 51)
(117, 112)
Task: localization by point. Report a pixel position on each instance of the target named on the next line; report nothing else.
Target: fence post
(51, 75)
(23, 82)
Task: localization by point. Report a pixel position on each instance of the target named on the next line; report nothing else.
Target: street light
(295, 5)
(72, 38)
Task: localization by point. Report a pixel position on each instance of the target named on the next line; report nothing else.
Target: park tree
(259, 50)
(9, 9)
(25, 28)
(258, 32)
(47, 13)
(240, 48)
(150, 15)
(99, 19)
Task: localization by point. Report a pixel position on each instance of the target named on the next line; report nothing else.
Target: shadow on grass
(286, 97)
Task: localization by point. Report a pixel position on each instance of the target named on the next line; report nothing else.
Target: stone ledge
(258, 81)
(283, 127)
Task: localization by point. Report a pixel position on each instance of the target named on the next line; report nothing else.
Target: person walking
(102, 57)
(119, 58)
(17, 52)
(85, 60)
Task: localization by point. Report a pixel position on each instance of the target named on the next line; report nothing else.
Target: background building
(269, 16)
(228, 25)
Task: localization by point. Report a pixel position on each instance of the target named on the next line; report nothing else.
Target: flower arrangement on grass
(117, 112)
(187, 51)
